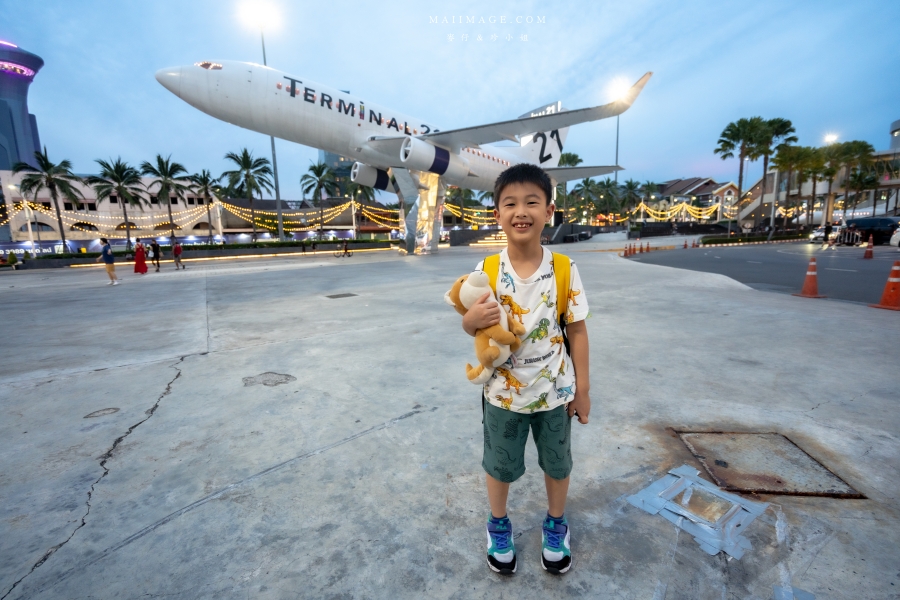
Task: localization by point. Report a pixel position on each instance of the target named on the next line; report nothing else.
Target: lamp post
(616, 174)
(259, 15)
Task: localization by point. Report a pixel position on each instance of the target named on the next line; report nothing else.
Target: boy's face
(522, 212)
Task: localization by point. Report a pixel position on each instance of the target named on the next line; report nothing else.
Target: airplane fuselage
(296, 109)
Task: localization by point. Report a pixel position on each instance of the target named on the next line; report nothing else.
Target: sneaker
(109, 283)
(556, 555)
(116, 282)
(501, 553)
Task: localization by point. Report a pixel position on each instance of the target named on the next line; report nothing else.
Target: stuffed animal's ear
(448, 299)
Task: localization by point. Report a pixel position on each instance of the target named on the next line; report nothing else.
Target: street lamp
(830, 138)
(617, 90)
(260, 15)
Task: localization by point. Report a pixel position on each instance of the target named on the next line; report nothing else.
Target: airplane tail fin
(542, 148)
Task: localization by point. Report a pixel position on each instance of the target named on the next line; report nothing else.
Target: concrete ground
(843, 274)
(356, 472)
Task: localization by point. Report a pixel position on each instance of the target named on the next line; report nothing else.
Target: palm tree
(57, 178)
(741, 135)
(815, 169)
(357, 191)
(860, 181)
(835, 157)
(171, 180)
(567, 159)
(609, 193)
(787, 160)
(774, 132)
(631, 193)
(319, 179)
(486, 196)
(204, 184)
(586, 189)
(857, 155)
(118, 178)
(251, 176)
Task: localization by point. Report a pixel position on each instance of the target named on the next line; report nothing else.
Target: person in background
(154, 254)
(106, 255)
(140, 258)
(176, 254)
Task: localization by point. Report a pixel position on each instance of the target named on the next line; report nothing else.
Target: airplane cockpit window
(209, 66)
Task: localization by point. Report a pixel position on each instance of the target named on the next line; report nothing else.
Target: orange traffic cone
(891, 297)
(640, 248)
(811, 283)
(868, 253)
(685, 244)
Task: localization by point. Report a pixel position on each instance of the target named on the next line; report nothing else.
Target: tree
(857, 156)
(56, 178)
(787, 160)
(742, 135)
(587, 190)
(608, 191)
(860, 181)
(118, 178)
(773, 132)
(204, 184)
(250, 176)
(171, 180)
(834, 159)
(486, 196)
(631, 193)
(566, 159)
(320, 179)
(814, 167)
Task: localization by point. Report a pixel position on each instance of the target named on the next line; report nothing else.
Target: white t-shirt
(540, 376)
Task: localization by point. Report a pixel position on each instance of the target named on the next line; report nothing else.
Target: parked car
(819, 234)
(880, 228)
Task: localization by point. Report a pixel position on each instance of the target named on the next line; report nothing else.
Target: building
(885, 199)
(18, 128)
(696, 191)
(341, 167)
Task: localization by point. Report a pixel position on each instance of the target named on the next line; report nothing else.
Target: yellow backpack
(561, 272)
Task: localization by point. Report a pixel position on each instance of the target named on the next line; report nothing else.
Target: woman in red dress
(140, 260)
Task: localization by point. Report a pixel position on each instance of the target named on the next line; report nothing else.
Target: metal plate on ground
(333, 296)
(765, 463)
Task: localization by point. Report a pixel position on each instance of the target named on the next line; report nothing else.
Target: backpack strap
(491, 266)
(562, 270)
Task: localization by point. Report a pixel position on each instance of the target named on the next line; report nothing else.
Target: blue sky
(827, 66)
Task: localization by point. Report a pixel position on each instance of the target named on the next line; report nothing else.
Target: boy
(176, 255)
(106, 255)
(545, 382)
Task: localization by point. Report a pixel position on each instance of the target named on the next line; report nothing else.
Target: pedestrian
(140, 258)
(545, 382)
(176, 255)
(154, 254)
(827, 236)
(106, 255)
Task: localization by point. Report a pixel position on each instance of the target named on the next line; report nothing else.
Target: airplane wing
(455, 139)
(563, 174)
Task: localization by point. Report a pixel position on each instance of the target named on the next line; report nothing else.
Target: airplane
(380, 139)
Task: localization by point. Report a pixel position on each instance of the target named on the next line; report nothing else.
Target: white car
(895, 239)
(819, 234)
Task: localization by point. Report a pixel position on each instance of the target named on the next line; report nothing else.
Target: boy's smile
(522, 212)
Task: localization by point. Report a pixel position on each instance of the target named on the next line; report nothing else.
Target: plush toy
(494, 344)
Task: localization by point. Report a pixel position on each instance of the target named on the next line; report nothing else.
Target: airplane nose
(170, 79)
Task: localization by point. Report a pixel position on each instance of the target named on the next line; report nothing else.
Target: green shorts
(505, 435)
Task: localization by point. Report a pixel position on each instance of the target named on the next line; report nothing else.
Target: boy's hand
(481, 315)
(580, 406)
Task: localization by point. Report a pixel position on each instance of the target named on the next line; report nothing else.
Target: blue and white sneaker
(501, 553)
(556, 554)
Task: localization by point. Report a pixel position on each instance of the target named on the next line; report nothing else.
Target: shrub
(26, 256)
(11, 258)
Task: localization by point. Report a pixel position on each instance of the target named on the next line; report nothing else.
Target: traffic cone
(868, 253)
(685, 244)
(811, 283)
(640, 248)
(891, 297)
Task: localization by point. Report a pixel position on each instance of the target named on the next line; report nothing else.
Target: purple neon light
(17, 69)
(8, 44)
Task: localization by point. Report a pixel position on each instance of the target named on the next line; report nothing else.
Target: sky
(828, 66)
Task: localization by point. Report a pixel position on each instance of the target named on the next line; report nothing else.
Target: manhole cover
(101, 413)
(268, 379)
(766, 463)
(333, 296)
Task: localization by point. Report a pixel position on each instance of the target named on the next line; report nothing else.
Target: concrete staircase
(495, 239)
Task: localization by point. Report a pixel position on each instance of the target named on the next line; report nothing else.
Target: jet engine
(371, 177)
(418, 155)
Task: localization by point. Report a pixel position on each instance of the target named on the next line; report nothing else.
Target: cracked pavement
(361, 477)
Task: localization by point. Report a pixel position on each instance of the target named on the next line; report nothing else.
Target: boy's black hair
(523, 173)
(104, 240)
